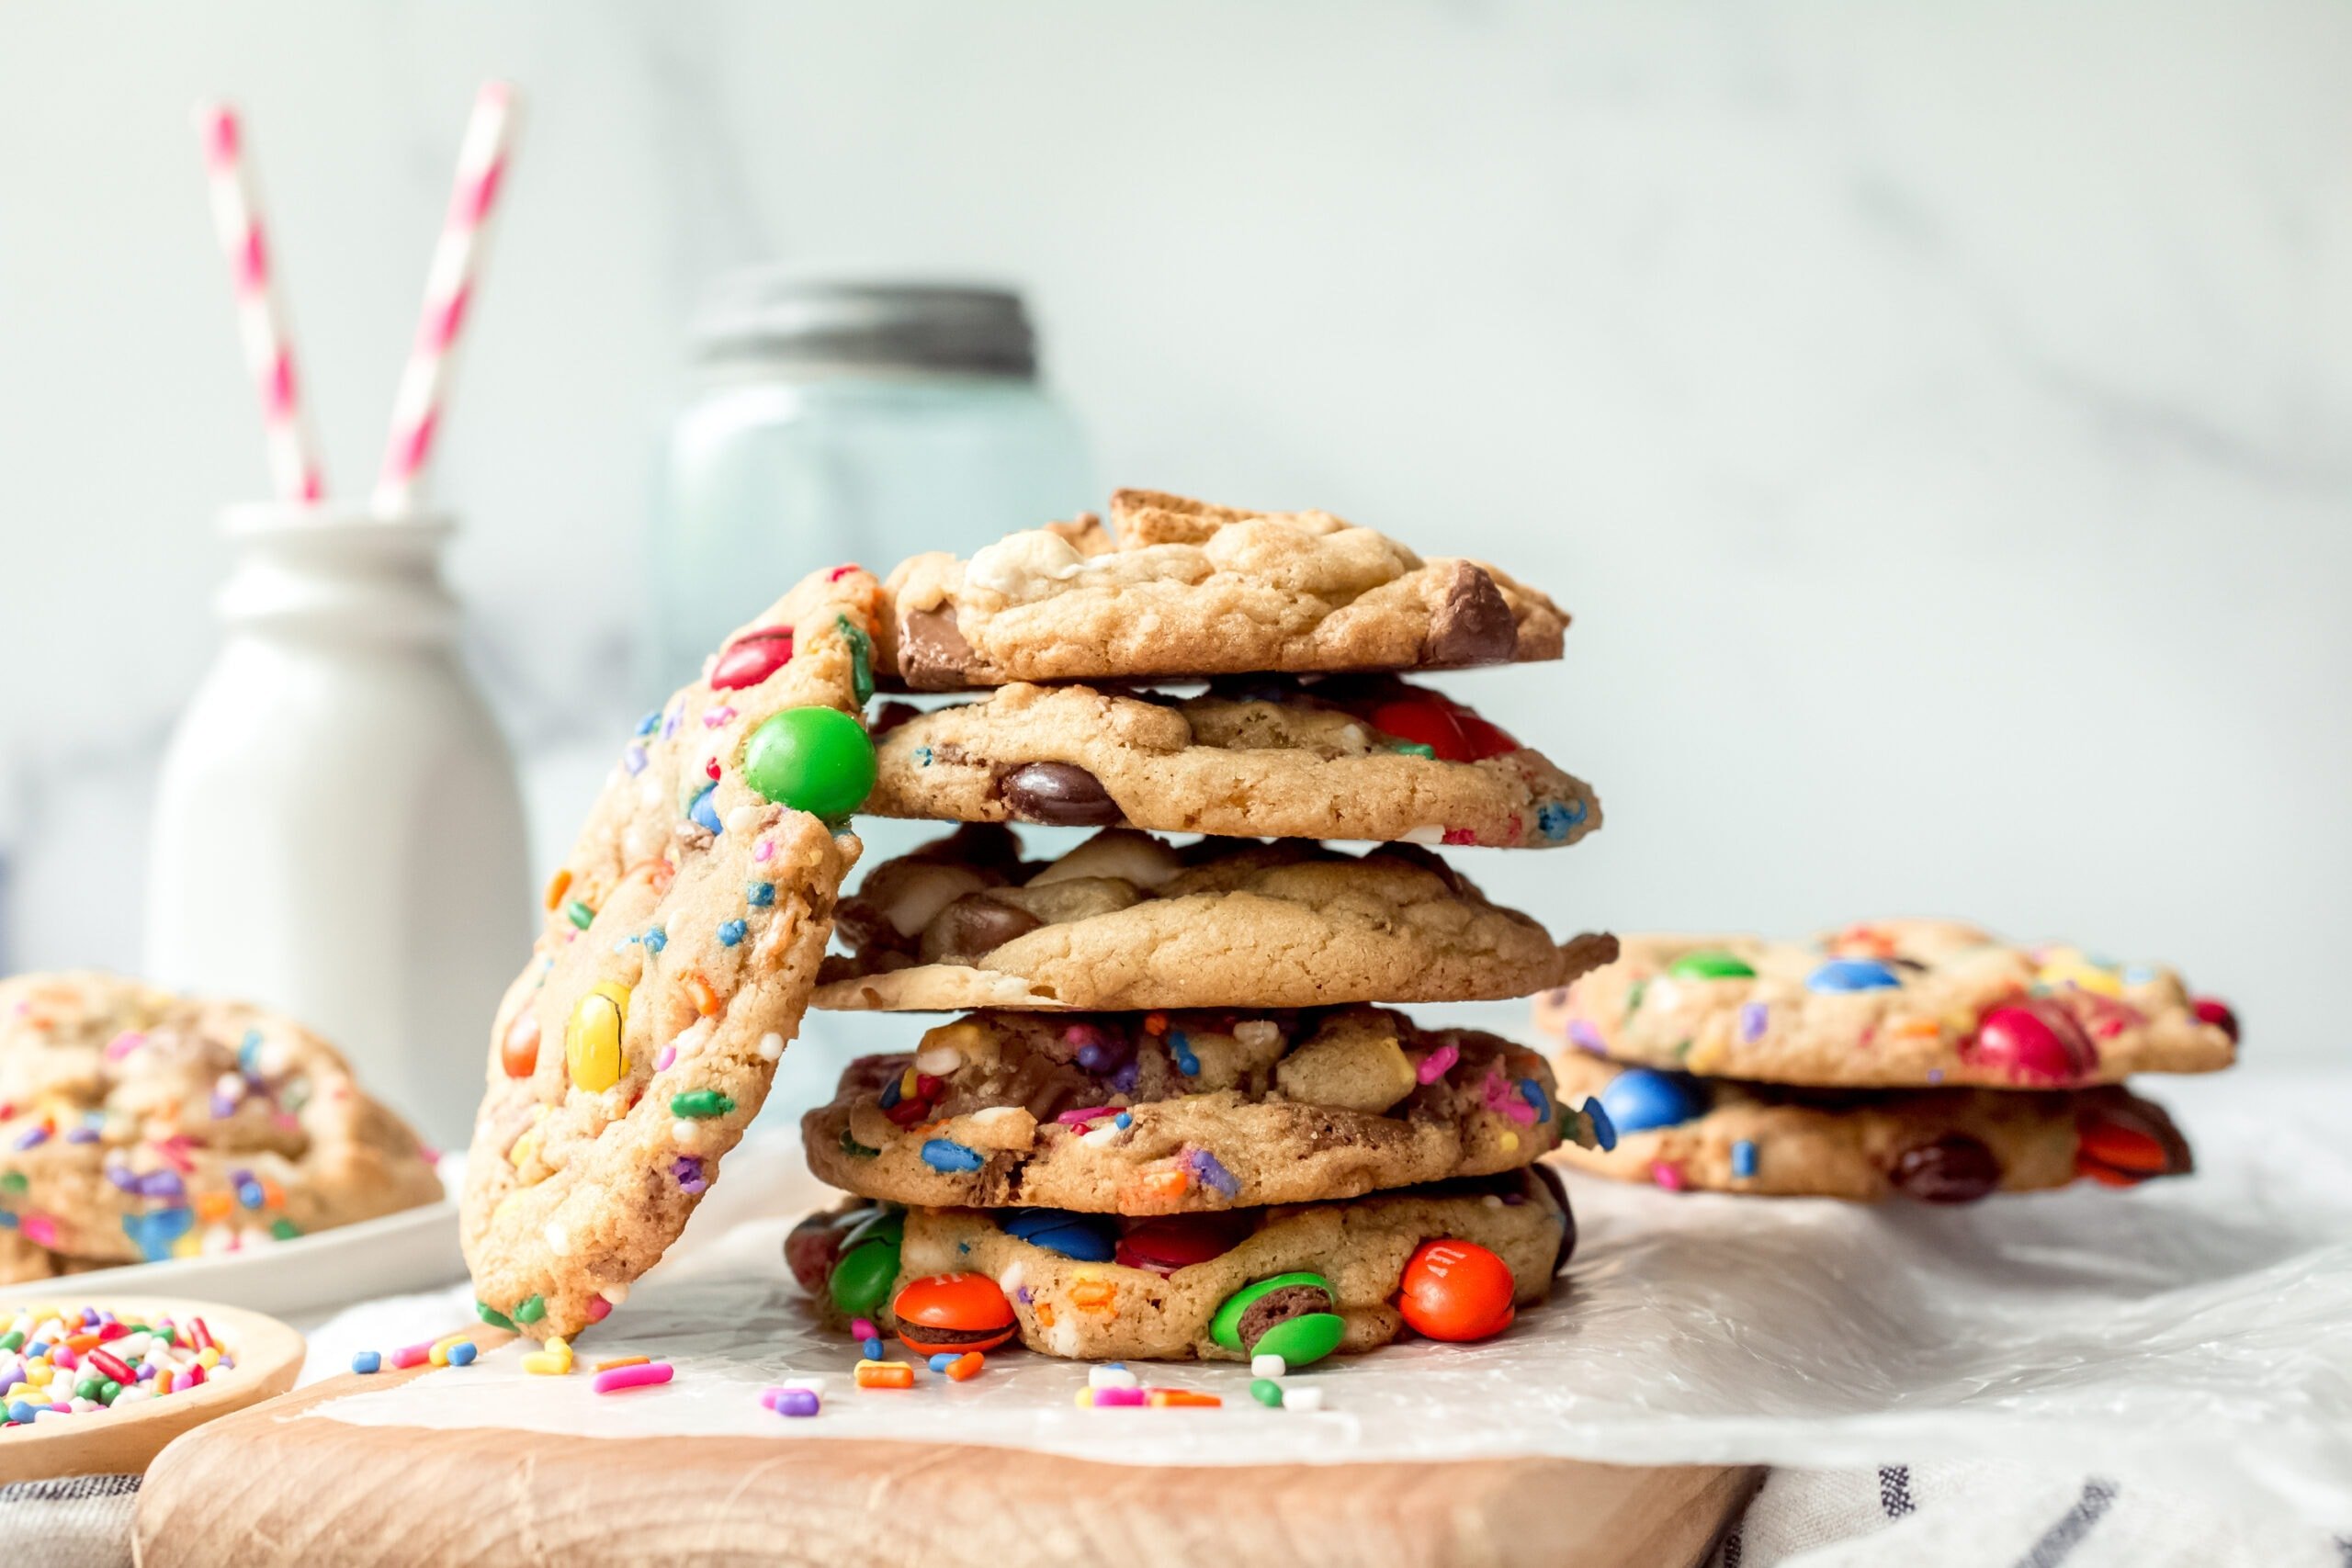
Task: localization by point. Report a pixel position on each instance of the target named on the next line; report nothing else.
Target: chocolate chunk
(973, 926)
(892, 714)
(933, 654)
(1060, 795)
(1551, 1179)
(1280, 1306)
(1955, 1168)
(1473, 625)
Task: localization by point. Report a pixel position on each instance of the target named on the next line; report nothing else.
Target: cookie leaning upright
(1184, 588)
(683, 935)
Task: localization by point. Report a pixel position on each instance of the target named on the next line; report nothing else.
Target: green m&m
(1288, 1316)
(868, 1265)
(1711, 964)
(814, 759)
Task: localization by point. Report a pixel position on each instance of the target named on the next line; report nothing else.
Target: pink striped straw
(261, 306)
(448, 288)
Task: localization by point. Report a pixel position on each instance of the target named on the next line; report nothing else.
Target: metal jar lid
(771, 317)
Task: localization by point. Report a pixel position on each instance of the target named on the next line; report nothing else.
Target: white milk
(338, 833)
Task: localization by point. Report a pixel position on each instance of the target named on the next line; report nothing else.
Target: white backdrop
(1940, 423)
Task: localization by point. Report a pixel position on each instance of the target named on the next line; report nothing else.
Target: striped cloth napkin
(1994, 1515)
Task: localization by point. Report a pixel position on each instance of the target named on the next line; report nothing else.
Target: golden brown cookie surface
(1350, 757)
(1182, 1113)
(682, 938)
(1893, 1004)
(1188, 589)
(1127, 921)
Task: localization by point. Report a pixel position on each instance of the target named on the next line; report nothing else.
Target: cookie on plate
(1158, 1113)
(1127, 921)
(1188, 589)
(1349, 756)
(1199, 1287)
(1895, 1004)
(681, 937)
(138, 1126)
(1939, 1146)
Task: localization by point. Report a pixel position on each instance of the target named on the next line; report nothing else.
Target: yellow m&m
(592, 1039)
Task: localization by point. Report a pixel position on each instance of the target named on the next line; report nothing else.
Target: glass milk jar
(835, 421)
(338, 833)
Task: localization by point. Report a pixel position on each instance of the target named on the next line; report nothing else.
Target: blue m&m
(1082, 1236)
(1853, 975)
(1642, 1097)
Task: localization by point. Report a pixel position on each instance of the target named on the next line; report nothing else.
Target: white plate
(414, 1250)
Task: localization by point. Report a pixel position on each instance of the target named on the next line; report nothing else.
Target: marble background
(1939, 418)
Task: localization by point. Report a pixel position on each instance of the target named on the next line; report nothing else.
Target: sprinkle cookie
(137, 1126)
(682, 936)
(1350, 757)
(1188, 589)
(1301, 1282)
(1127, 921)
(1896, 1004)
(1180, 1112)
(1948, 1146)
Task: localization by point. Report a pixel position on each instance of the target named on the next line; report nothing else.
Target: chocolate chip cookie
(1348, 757)
(1890, 1004)
(1187, 589)
(1160, 1114)
(138, 1126)
(1094, 1287)
(1950, 1145)
(681, 937)
(1127, 921)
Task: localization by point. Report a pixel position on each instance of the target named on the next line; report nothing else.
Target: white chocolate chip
(939, 1061)
(692, 1039)
(740, 817)
(614, 1294)
(1258, 1034)
(1010, 1280)
(770, 1045)
(685, 1134)
(1018, 562)
(558, 1240)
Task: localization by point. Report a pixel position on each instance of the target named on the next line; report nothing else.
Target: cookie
(1896, 1004)
(1350, 757)
(138, 1126)
(682, 936)
(21, 1262)
(1160, 1114)
(1096, 1288)
(1127, 921)
(1941, 1145)
(1189, 589)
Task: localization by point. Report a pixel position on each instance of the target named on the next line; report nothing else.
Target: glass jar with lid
(834, 421)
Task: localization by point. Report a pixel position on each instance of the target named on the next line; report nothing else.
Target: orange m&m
(952, 1313)
(1456, 1290)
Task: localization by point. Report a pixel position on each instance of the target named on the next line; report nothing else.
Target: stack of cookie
(1171, 1119)
(1920, 1058)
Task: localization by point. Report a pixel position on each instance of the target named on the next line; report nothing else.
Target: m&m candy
(1450, 730)
(518, 1050)
(1955, 1169)
(2217, 1013)
(1711, 964)
(1085, 1237)
(1640, 1098)
(1457, 1290)
(591, 1041)
(1288, 1316)
(815, 760)
(868, 1265)
(2036, 1041)
(950, 1313)
(1178, 1241)
(1853, 975)
(751, 658)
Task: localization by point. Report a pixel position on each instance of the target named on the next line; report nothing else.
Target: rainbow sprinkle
(75, 1361)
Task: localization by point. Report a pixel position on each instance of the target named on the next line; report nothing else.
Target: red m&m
(952, 1313)
(751, 658)
(1178, 1241)
(1452, 731)
(1456, 1290)
(2036, 1041)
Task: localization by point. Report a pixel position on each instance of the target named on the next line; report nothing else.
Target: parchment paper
(2197, 1331)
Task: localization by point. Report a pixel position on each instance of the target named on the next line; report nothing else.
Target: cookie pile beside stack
(1172, 1117)
(138, 1126)
(1919, 1058)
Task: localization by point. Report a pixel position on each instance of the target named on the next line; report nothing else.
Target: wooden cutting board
(264, 1490)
